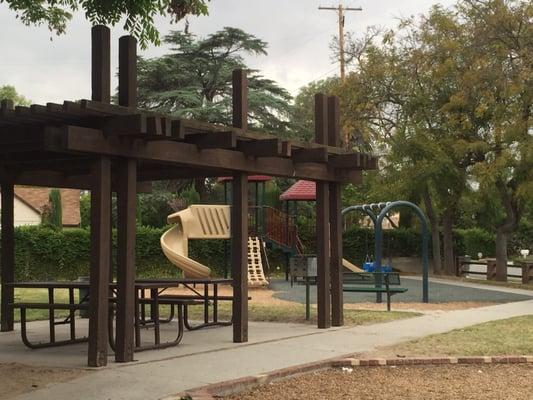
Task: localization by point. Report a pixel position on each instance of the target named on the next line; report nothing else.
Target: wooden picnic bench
(373, 282)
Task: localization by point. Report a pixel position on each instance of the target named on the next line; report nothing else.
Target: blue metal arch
(425, 239)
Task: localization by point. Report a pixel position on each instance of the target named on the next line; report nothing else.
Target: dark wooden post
(335, 220)
(126, 205)
(127, 76)
(239, 256)
(8, 256)
(101, 64)
(100, 256)
(322, 221)
(239, 218)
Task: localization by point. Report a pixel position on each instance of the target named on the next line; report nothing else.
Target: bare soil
(16, 379)
(450, 382)
(265, 296)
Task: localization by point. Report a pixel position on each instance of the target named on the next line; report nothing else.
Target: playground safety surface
(487, 382)
(439, 292)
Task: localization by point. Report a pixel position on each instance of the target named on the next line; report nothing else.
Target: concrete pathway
(158, 379)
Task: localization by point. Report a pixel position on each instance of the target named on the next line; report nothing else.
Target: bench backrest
(371, 278)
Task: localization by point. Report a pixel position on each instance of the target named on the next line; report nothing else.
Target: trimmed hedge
(43, 253)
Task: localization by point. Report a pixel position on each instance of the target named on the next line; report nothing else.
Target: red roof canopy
(251, 178)
(301, 190)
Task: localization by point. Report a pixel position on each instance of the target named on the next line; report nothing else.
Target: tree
(502, 40)
(53, 214)
(194, 81)
(447, 101)
(138, 14)
(406, 96)
(303, 113)
(8, 92)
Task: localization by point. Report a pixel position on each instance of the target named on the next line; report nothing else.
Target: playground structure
(206, 222)
(377, 213)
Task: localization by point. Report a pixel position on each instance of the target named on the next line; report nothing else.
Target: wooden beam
(240, 99)
(218, 140)
(130, 124)
(86, 140)
(318, 155)
(261, 148)
(322, 222)
(101, 63)
(239, 259)
(100, 262)
(7, 257)
(335, 220)
(126, 204)
(347, 161)
(127, 71)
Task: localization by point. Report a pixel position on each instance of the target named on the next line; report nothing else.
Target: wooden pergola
(105, 148)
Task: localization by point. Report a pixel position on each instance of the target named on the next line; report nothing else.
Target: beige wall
(25, 215)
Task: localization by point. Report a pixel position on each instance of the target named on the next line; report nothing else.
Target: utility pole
(340, 12)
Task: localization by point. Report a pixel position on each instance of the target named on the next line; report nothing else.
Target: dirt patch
(16, 379)
(265, 296)
(487, 382)
(420, 307)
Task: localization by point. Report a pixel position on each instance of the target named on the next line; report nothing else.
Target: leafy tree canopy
(194, 80)
(8, 92)
(138, 14)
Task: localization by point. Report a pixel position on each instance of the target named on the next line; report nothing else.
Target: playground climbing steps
(256, 275)
(206, 222)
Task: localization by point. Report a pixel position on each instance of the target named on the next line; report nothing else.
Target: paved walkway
(152, 379)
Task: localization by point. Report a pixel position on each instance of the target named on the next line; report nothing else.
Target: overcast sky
(49, 68)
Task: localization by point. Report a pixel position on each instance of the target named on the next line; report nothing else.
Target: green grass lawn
(513, 336)
(257, 312)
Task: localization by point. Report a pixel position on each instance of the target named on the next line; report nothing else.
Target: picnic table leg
(388, 300)
(72, 314)
(307, 299)
(153, 293)
(215, 302)
(51, 315)
(206, 303)
(137, 323)
(155, 313)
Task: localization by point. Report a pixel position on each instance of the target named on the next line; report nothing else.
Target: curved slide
(348, 265)
(205, 222)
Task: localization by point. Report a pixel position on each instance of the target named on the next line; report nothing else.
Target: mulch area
(487, 382)
(16, 379)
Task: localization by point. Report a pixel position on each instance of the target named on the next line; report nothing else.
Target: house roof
(38, 198)
(301, 190)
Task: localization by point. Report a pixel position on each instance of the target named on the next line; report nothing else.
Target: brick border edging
(213, 391)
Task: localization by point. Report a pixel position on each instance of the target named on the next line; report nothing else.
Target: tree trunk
(199, 186)
(501, 254)
(447, 239)
(435, 233)
(503, 231)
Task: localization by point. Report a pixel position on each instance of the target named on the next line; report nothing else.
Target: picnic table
(158, 297)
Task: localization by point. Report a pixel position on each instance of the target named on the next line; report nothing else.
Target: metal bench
(373, 282)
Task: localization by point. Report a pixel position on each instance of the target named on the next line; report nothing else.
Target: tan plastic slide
(348, 265)
(205, 222)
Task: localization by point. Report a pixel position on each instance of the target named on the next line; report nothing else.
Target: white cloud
(298, 34)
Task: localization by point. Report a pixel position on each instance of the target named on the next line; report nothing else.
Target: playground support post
(425, 240)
